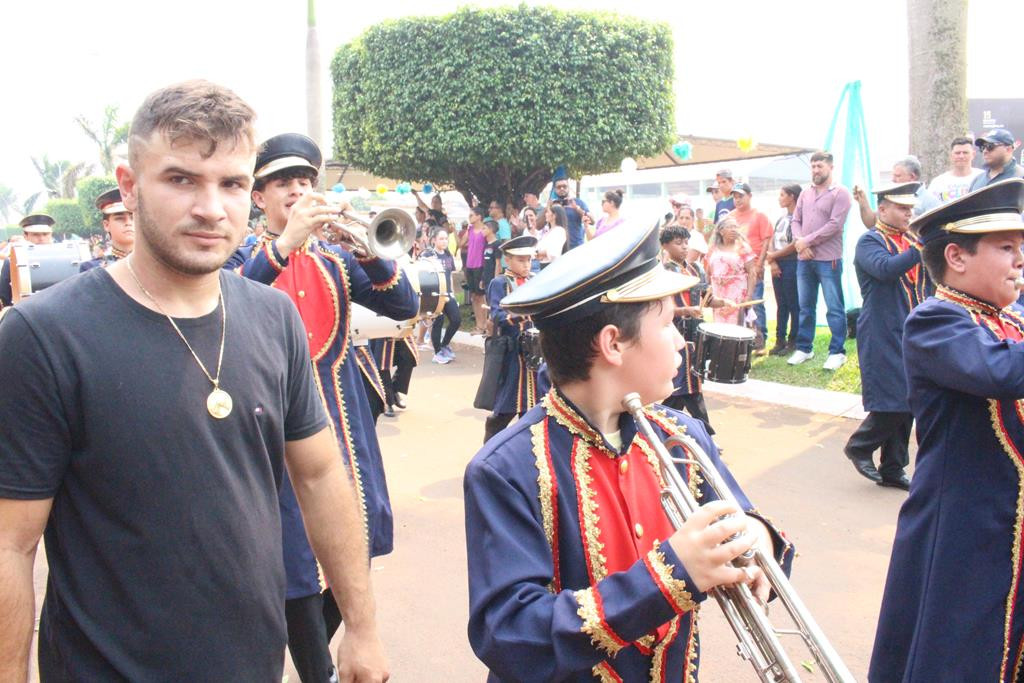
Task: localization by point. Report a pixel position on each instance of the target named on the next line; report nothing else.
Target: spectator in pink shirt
(475, 265)
(610, 204)
(817, 226)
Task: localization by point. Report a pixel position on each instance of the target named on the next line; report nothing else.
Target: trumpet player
(892, 284)
(953, 605)
(575, 570)
(322, 280)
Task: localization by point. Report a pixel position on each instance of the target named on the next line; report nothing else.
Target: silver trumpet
(758, 639)
(390, 234)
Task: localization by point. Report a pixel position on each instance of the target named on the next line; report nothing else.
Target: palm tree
(8, 201)
(107, 136)
(59, 177)
(30, 203)
(937, 31)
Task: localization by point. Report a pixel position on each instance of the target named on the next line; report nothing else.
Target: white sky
(770, 70)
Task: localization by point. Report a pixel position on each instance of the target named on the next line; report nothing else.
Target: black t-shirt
(492, 253)
(164, 540)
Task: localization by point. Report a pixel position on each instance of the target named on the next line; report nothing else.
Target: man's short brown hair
(822, 155)
(194, 111)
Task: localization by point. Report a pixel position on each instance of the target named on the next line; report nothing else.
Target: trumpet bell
(391, 234)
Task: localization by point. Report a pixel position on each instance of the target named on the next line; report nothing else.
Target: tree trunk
(937, 32)
(314, 125)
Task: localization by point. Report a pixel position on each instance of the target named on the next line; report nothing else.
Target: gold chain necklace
(219, 402)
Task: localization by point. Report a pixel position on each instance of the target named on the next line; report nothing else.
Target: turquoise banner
(847, 139)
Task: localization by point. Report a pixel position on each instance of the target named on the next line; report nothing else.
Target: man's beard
(161, 244)
(819, 179)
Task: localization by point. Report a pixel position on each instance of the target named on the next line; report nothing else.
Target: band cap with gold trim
(37, 222)
(288, 150)
(524, 245)
(620, 266)
(993, 208)
(904, 194)
(110, 202)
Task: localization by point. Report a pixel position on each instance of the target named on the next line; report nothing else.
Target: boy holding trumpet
(575, 570)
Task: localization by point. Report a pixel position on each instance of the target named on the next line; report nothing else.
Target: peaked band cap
(110, 202)
(993, 208)
(524, 245)
(37, 222)
(620, 266)
(288, 150)
(899, 193)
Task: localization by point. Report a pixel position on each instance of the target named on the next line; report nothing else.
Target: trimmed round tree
(491, 101)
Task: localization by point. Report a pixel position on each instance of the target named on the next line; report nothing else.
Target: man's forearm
(17, 613)
(336, 533)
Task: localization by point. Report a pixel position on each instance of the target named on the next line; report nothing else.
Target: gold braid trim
(681, 599)
(604, 673)
(692, 651)
(1011, 451)
(545, 488)
(589, 519)
(594, 625)
(658, 660)
(563, 413)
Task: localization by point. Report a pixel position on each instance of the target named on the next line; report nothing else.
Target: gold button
(623, 466)
(639, 531)
(310, 335)
(302, 293)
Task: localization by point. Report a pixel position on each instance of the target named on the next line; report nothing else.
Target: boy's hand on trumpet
(308, 213)
(701, 545)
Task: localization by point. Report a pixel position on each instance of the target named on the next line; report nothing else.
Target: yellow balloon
(746, 144)
(382, 189)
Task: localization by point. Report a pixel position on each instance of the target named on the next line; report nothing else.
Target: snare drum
(34, 267)
(724, 352)
(432, 286)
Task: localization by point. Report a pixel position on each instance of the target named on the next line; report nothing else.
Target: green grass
(810, 373)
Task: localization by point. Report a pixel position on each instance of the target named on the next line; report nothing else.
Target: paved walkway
(834, 403)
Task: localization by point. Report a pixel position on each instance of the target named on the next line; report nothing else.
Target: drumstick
(747, 304)
(706, 299)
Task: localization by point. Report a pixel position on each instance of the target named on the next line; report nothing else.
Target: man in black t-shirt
(150, 448)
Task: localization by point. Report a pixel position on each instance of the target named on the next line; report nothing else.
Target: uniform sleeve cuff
(666, 569)
(591, 611)
(274, 256)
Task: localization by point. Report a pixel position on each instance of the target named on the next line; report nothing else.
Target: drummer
(37, 229)
(517, 387)
(119, 224)
(687, 392)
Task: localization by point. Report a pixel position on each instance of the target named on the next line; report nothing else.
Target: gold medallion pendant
(219, 403)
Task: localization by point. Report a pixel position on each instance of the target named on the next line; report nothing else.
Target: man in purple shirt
(817, 225)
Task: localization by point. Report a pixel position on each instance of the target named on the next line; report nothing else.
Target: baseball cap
(742, 188)
(998, 136)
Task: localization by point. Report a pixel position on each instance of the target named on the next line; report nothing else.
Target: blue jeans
(787, 299)
(762, 316)
(829, 275)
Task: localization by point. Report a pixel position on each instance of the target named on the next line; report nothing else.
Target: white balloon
(628, 165)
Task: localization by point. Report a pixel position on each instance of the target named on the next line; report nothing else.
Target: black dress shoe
(900, 482)
(866, 468)
(389, 412)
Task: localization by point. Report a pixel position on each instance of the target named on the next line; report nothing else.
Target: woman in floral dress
(731, 269)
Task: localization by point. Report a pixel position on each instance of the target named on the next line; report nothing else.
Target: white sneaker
(834, 361)
(441, 359)
(799, 357)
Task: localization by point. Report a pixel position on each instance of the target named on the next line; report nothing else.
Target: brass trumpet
(390, 234)
(758, 639)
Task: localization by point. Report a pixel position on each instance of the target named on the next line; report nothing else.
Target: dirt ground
(789, 461)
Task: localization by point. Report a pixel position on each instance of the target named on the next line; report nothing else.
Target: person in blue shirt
(576, 211)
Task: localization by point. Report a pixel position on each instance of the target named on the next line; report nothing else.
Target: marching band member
(37, 229)
(687, 393)
(575, 571)
(953, 605)
(892, 283)
(322, 280)
(373, 382)
(517, 386)
(119, 224)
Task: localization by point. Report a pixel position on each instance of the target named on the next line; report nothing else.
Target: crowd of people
(240, 494)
